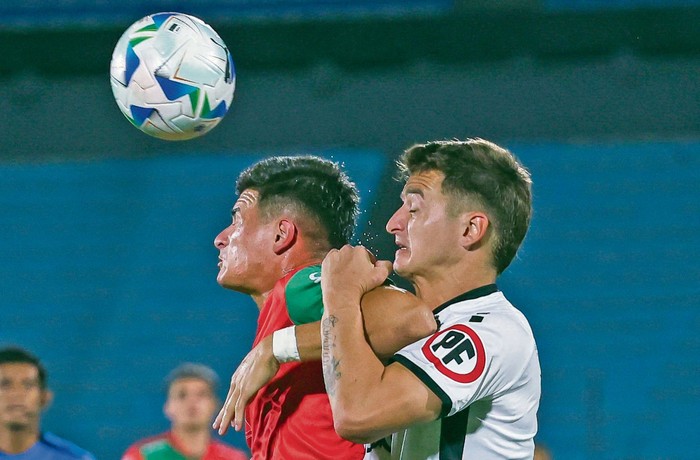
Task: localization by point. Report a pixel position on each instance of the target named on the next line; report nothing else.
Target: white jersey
(483, 364)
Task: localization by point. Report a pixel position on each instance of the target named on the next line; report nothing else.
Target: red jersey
(290, 417)
(166, 447)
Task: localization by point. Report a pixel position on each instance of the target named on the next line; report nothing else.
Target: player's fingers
(227, 409)
(222, 426)
(217, 422)
(239, 413)
(385, 266)
(370, 255)
(226, 417)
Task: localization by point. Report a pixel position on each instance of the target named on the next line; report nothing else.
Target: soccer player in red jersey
(289, 213)
(190, 405)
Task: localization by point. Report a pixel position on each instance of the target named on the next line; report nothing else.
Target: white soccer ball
(172, 76)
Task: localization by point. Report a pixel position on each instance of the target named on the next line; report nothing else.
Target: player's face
(21, 396)
(244, 247)
(191, 404)
(427, 237)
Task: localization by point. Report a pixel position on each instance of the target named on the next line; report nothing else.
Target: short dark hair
(482, 174)
(318, 186)
(20, 355)
(193, 371)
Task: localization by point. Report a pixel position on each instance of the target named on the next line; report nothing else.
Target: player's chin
(225, 280)
(400, 264)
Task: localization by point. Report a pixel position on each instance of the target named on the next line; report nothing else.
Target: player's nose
(222, 239)
(395, 222)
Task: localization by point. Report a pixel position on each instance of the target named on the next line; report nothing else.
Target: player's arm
(393, 318)
(369, 400)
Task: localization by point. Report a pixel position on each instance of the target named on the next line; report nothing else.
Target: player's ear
(167, 411)
(475, 228)
(285, 237)
(46, 398)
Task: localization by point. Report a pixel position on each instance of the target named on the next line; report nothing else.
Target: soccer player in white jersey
(471, 390)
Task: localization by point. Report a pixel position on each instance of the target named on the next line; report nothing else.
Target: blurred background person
(24, 396)
(190, 405)
(542, 452)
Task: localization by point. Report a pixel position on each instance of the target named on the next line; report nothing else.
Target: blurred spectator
(190, 405)
(24, 395)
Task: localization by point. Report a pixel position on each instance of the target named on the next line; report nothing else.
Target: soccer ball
(172, 76)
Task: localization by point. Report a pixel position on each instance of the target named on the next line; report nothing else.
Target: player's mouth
(400, 247)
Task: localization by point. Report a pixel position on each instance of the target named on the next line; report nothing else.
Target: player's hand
(256, 370)
(351, 271)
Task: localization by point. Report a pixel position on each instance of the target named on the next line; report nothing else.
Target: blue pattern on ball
(174, 89)
(140, 114)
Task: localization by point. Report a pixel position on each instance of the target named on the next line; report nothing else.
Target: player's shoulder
(148, 446)
(64, 449)
(303, 295)
(475, 307)
(492, 323)
(224, 451)
(305, 278)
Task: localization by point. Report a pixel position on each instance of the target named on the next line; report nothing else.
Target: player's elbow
(353, 428)
(353, 434)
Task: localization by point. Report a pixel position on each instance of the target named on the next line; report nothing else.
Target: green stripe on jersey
(160, 450)
(303, 295)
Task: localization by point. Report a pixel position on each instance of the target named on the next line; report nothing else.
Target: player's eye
(235, 215)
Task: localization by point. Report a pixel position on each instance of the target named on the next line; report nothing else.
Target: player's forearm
(349, 369)
(309, 341)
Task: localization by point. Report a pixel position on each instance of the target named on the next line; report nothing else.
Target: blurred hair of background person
(24, 395)
(190, 406)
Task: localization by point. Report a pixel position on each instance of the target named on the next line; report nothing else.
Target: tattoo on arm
(331, 365)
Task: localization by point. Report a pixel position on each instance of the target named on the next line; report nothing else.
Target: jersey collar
(482, 291)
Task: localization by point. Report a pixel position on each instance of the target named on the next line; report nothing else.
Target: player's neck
(284, 264)
(194, 443)
(306, 251)
(16, 442)
(436, 290)
(293, 260)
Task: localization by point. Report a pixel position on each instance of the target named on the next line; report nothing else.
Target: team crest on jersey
(457, 352)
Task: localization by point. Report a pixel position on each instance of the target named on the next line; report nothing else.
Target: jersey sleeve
(132, 453)
(303, 295)
(461, 363)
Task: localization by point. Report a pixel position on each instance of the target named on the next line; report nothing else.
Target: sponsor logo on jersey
(457, 352)
(315, 277)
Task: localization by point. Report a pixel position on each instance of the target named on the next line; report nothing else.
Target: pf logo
(457, 352)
